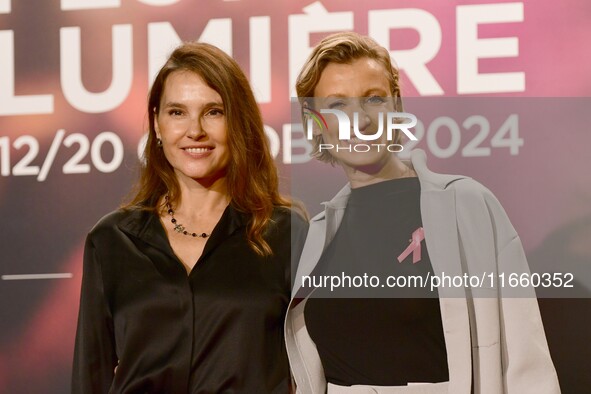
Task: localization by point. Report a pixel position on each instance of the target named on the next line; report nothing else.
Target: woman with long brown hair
(185, 288)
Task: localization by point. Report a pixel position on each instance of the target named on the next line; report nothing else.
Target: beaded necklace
(178, 227)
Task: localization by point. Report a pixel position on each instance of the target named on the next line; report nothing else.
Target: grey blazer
(494, 337)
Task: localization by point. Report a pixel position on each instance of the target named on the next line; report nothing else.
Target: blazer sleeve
(94, 352)
(526, 361)
(527, 364)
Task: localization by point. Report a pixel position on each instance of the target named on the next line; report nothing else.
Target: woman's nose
(195, 128)
(361, 120)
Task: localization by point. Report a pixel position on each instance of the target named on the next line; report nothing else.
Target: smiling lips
(354, 141)
(198, 150)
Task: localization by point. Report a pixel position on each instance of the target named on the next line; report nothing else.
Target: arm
(94, 354)
(527, 365)
(526, 362)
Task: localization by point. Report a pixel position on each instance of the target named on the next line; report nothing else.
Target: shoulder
(470, 188)
(469, 191)
(111, 219)
(288, 217)
(463, 186)
(477, 206)
(475, 203)
(115, 221)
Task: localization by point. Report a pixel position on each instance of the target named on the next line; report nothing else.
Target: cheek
(376, 118)
(168, 154)
(171, 129)
(222, 135)
(332, 128)
(223, 138)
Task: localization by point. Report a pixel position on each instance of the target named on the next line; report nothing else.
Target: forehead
(354, 79)
(187, 86)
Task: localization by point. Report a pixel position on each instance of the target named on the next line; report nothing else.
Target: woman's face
(361, 87)
(192, 126)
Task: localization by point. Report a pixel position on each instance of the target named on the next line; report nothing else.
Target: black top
(217, 330)
(378, 336)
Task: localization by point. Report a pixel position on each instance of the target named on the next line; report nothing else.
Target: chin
(356, 160)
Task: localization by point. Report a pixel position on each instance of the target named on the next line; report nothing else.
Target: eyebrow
(214, 104)
(367, 93)
(336, 95)
(173, 104)
(379, 91)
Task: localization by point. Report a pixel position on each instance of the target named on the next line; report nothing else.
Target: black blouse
(385, 336)
(217, 330)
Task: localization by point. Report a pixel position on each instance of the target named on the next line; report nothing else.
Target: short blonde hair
(343, 48)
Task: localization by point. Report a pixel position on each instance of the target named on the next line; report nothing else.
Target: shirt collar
(146, 225)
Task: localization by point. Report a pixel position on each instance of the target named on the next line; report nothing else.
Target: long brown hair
(252, 181)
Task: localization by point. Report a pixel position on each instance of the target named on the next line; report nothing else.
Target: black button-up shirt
(218, 329)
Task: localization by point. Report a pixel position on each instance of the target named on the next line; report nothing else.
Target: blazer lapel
(441, 237)
(311, 252)
(323, 228)
(438, 212)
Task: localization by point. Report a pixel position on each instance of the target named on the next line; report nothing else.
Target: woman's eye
(214, 112)
(336, 104)
(175, 112)
(375, 100)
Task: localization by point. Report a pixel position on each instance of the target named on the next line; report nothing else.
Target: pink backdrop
(74, 76)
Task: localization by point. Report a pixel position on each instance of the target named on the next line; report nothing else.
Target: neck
(198, 200)
(393, 168)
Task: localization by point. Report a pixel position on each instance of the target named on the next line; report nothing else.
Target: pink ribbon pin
(415, 246)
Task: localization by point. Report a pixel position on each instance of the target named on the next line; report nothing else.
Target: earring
(159, 142)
